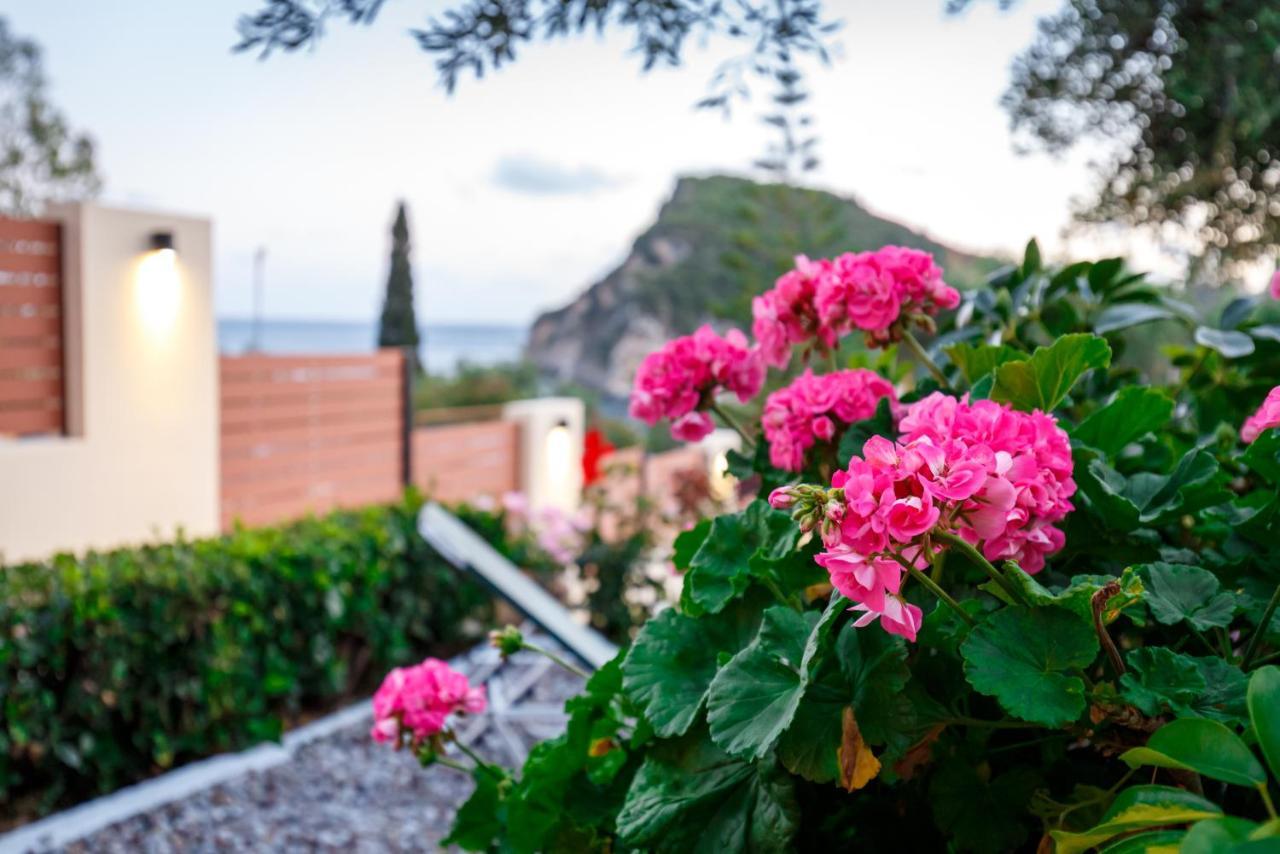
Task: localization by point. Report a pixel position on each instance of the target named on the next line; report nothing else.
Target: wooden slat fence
(305, 434)
(31, 355)
(460, 462)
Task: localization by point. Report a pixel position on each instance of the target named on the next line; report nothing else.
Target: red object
(595, 447)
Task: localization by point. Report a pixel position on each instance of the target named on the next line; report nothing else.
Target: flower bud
(507, 640)
(782, 498)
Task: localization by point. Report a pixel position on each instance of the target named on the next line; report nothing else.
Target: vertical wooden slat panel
(31, 346)
(307, 434)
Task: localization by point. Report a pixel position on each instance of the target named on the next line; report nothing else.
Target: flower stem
(449, 763)
(920, 353)
(576, 671)
(976, 556)
(732, 422)
(782, 598)
(1266, 800)
(475, 757)
(934, 589)
(1255, 642)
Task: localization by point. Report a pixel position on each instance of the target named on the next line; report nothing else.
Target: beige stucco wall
(550, 465)
(141, 460)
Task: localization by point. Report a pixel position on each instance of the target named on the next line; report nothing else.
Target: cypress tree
(399, 326)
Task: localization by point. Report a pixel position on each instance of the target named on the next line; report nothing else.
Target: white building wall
(140, 461)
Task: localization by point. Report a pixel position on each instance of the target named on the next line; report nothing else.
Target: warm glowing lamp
(559, 456)
(723, 484)
(159, 292)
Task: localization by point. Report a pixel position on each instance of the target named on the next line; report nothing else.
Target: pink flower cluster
(814, 408)
(788, 314)
(996, 477)
(561, 535)
(681, 380)
(418, 700)
(872, 290)
(1267, 416)
(825, 300)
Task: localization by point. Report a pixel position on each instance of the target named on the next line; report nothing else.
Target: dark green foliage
(119, 665)
(476, 385)
(1183, 94)
(758, 716)
(398, 325)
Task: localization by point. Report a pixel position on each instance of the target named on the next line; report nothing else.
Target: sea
(444, 345)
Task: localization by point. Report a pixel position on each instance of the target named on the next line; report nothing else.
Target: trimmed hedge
(119, 665)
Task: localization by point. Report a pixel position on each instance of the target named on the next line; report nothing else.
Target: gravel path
(345, 793)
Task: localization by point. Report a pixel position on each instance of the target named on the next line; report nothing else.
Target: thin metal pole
(259, 285)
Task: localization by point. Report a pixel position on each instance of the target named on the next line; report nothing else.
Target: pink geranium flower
(416, 702)
(896, 616)
(680, 380)
(814, 409)
(787, 314)
(998, 478)
(1267, 416)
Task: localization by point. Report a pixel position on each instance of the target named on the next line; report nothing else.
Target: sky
(525, 187)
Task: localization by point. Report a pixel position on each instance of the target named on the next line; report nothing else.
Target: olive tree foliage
(42, 159)
(1183, 95)
(479, 36)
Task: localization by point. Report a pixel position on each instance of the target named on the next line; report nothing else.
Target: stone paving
(343, 792)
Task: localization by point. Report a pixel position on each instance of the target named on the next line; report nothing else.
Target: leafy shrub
(118, 665)
(1018, 673)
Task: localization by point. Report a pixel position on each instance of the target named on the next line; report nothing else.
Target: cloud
(534, 176)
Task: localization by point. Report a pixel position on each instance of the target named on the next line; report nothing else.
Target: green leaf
(1229, 343)
(1136, 808)
(867, 672)
(1264, 710)
(1102, 274)
(1132, 413)
(1223, 698)
(1204, 746)
(688, 542)
(1176, 593)
(980, 815)
(1148, 498)
(1044, 380)
(1220, 836)
(721, 569)
(1022, 658)
(690, 796)
(1160, 678)
(480, 819)
(671, 664)
(1031, 258)
(1078, 595)
(975, 361)
(1120, 317)
(1263, 456)
(874, 663)
(1146, 843)
(754, 697)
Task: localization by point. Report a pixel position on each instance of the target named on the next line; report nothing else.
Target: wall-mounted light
(159, 292)
(559, 457)
(723, 485)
